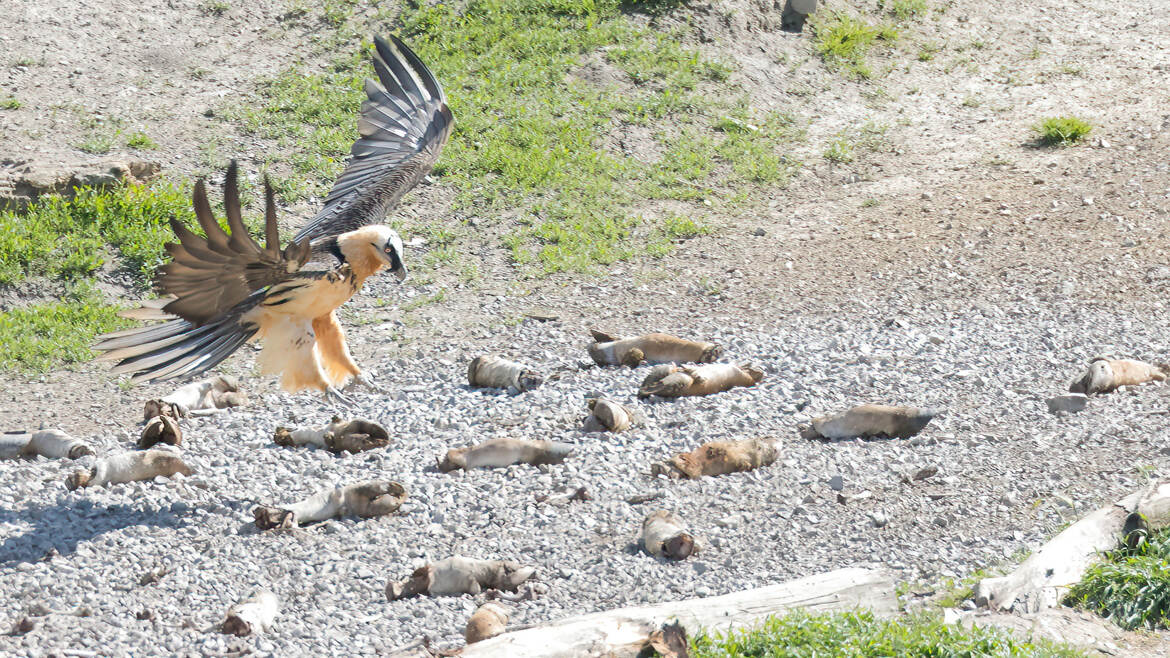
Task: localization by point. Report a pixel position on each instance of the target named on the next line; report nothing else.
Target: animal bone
(53, 444)
(719, 458)
(160, 429)
(129, 467)
(497, 372)
(674, 381)
(364, 499)
(608, 415)
(505, 452)
(208, 395)
(460, 575)
(489, 620)
(665, 535)
(254, 614)
(338, 435)
(610, 350)
(1106, 375)
(871, 420)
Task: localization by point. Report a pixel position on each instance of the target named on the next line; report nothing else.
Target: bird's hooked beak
(400, 274)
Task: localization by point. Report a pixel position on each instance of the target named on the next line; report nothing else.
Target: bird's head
(390, 250)
(374, 247)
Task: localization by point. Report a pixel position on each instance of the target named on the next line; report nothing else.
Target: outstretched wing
(208, 276)
(403, 127)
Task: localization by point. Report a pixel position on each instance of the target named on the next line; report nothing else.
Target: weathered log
(460, 575)
(665, 535)
(364, 499)
(129, 467)
(871, 420)
(339, 435)
(626, 631)
(1046, 576)
(610, 350)
(498, 453)
(489, 620)
(1107, 375)
(674, 381)
(51, 443)
(608, 416)
(254, 614)
(497, 372)
(198, 398)
(719, 458)
(160, 429)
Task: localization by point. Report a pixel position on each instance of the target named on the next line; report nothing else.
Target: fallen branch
(1107, 375)
(665, 535)
(129, 467)
(460, 575)
(53, 444)
(1047, 575)
(627, 631)
(676, 382)
(607, 415)
(871, 420)
(254, 614)
(364, 499)
(339, 435)
(497, 372)
(719, 458)
(498, 453)
(610, 350)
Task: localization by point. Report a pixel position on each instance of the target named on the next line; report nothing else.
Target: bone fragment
(51, 443)
(665, 535)
(460, 575)
(607, 415)
(610, 350)
(160, 429)
(871, 420)
(1107, 375)
(202, 396)
(129, 467)
(497, 372)
(364, 499)
(254, 614)
(489, 620)
(719, 458)
(674, 381)
(497, 453)
(348, 435)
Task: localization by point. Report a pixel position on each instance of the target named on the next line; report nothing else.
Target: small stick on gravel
(611, 350)
(489, 620)
(129, 467)
(674, 382)
(497, 372)
(719, 458)
(364, 499)
(349, 435)
(665, 535)
(160, 429)
(254, 614)
(209, 395)
(607, 415)
(1106, 375)
(51, 443)
(460, 575)
(870, 420)
(497, 453)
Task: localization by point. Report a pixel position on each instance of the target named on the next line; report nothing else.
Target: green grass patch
(530, 130)
(1131, 587)
(141, 141)
(861, 635)
(1063, 131)
(10, 103)
(69, 239)
(41, 337)
(906, 10)
(97, 144)
(844, 42)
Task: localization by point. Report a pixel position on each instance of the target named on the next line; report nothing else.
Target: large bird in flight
(224, 290)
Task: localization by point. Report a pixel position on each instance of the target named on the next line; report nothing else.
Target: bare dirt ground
(956, 208)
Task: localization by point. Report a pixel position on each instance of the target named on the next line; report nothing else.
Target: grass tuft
(844, 42)
(141, 141)
(861, 635)
(1062, 131)
(41, 337)
(906, 10)
(10, 103)
(1131, 588)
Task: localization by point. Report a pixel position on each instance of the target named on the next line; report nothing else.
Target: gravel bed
(1009, 474)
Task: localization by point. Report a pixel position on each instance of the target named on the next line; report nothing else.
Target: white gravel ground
(1008, 471)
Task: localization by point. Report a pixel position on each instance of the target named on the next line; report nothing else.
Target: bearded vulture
(223, 290)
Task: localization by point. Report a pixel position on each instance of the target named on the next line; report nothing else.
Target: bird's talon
(368, 382)
(335, 396)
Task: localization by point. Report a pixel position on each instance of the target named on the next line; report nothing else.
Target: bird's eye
(388, 249)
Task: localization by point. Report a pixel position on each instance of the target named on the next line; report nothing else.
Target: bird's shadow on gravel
(63, 526)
